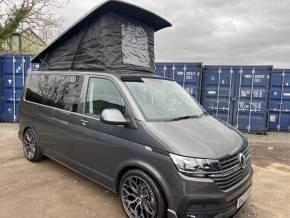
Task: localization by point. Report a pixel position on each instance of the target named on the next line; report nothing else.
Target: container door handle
(84, 122)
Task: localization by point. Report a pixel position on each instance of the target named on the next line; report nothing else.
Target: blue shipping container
(188, 75)
(13, 71)
(279, 107)
(238, 95)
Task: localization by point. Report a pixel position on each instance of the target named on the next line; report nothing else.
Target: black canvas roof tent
(113, 36)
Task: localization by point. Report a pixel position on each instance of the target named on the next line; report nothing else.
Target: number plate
(243, 198)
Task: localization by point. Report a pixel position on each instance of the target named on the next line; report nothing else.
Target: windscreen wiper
(203, 113)
(189, 116)
(183, 118)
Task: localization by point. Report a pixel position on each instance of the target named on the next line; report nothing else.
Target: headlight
(194, 166)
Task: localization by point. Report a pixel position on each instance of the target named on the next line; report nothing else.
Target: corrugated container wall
(279, 107)
(188, 75)
(238, 95)
(13, 71)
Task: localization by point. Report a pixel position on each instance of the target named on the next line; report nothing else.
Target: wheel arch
(151, 171)
(28, 125)
(25, 129)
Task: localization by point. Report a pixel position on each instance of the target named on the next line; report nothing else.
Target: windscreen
(162, 100)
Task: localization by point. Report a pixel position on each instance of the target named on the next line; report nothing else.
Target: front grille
(231, 171)
(233, 160)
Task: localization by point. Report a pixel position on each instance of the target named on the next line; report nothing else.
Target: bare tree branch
(39, 17)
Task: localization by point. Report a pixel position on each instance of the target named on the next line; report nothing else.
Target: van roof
(123, 75)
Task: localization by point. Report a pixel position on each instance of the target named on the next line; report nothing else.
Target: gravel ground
(47, 189)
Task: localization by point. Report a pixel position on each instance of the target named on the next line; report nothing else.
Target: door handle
(84, 122)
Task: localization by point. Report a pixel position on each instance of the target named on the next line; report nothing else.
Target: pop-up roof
(113, 36)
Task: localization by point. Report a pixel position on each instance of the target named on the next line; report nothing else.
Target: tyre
(31, 147)
(141, 196)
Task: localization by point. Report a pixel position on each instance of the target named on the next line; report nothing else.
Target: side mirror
(114, 117)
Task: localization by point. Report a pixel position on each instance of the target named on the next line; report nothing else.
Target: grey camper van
(104, 114)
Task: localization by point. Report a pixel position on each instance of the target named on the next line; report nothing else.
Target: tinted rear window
(60, 91)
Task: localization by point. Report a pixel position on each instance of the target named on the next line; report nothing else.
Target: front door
(102, 147)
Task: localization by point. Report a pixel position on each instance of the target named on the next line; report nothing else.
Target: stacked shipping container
(279, 106)
(238, 95)
(251, 98)
(13, 71)
(188, 75)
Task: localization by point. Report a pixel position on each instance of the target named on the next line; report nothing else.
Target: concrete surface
(47, 189)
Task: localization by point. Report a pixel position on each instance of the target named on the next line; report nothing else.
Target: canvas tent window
(135, 45)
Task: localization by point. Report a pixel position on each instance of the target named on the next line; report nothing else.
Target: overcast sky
(214, 31)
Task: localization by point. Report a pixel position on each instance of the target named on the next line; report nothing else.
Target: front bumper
(212, 202)
(233, 213)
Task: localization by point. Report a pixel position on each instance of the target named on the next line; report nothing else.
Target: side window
(55, 90)
(33, 93)
(103, 94)
(60, 91)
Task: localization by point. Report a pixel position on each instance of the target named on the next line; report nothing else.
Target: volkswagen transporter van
(141, 136)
